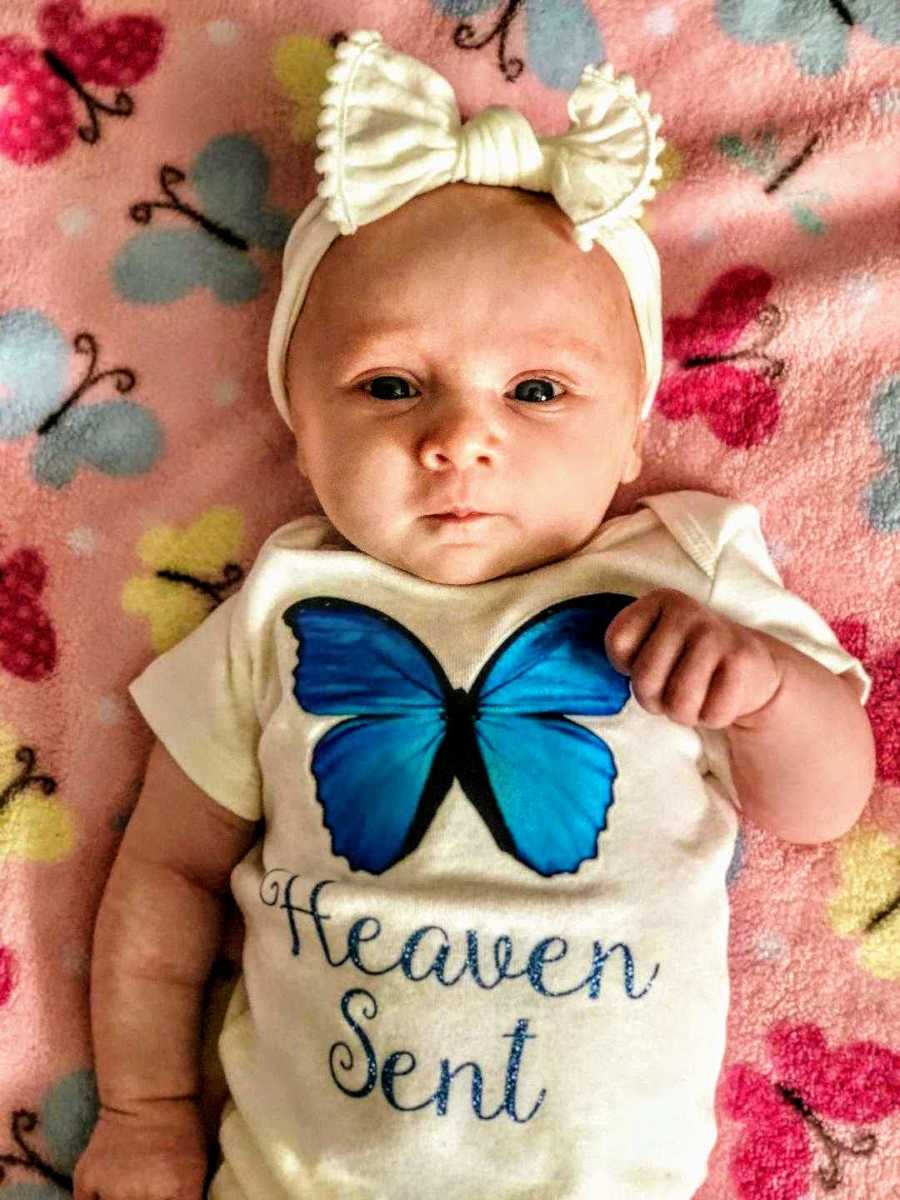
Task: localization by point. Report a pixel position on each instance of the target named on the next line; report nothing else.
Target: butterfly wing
(463, 8)
(561, 38)
(772, 1157)
(157, 266)
(881, 19)
(33, 356)
(299, 64)
(740, 406)
(231, 175)
(37, 121)
(115, 52)
(27, 638)
(116, 437)
(549, 779)
(730, 305)
(857, 1082)
(371, 770)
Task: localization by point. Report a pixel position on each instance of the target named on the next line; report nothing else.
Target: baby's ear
(634, 457)
(300, 460)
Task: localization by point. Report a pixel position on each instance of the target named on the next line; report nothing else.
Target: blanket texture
(152, 156)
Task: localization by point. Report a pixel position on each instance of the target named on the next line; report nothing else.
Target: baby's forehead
(510, 237)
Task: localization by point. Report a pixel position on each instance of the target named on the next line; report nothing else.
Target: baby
(467, 753)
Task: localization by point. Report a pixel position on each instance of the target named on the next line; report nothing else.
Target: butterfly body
(540, 782)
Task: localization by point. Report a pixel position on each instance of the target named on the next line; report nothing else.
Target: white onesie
(487, 917)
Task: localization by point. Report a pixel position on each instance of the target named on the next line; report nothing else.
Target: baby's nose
(458, 435)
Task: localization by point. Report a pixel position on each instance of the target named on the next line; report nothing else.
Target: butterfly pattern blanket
(152, 157)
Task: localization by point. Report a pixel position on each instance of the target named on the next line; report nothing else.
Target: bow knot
(498, 146)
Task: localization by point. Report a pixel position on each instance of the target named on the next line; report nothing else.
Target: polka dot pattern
(27, 640)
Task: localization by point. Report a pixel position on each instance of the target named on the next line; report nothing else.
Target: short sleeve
(747, 588)
(198, 699)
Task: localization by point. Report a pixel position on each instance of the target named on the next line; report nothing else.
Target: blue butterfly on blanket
(541, 783)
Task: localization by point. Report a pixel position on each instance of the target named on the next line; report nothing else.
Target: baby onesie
(486, 916)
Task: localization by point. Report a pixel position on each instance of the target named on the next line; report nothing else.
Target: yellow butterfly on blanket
(868, 902)
(194, 569)
(34, 825)
(299, 65)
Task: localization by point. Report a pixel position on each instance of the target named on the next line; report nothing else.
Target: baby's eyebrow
(366, 339)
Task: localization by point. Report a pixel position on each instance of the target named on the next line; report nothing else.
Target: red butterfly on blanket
(39, 120)
(738, 402)
(857, 1084)
(27, 640)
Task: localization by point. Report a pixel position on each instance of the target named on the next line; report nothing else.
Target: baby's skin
(459, 353)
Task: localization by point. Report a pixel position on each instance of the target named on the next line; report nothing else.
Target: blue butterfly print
(231, 177)
(117, 437)
(819, 31)
(541, 783)
(561, 36)
(883, 493)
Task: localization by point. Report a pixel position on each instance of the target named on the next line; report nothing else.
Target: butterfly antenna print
(26, 778)
(142, 212)
(124, 379)
(557, 48)
(466, 37)
(38, 122)
(761, 162)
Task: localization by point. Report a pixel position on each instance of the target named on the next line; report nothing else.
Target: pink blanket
(151, 158)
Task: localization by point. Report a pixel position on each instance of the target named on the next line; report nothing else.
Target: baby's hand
(689, 663)
(157, 1153)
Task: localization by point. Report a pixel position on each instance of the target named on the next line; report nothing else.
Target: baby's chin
(461, 565)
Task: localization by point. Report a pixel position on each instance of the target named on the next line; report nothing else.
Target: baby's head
(463, 352)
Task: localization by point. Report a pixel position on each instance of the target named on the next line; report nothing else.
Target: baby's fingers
(629, 628)
(663, 611)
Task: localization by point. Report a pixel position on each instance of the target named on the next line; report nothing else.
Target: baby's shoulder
(702, 523)
(311, 532)
(288, 553)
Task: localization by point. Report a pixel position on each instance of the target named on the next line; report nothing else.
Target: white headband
(389, 130)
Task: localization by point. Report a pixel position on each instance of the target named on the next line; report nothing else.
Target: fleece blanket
(152, 156)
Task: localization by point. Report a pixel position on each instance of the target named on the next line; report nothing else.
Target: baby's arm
(157, 932)
(800, 744)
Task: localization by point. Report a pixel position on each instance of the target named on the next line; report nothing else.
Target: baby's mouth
(458, 515)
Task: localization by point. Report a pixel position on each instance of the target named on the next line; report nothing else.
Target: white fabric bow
(389, 129)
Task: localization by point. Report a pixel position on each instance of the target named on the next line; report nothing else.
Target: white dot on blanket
(76, 219)
(769, 946)
(110, 710)
(861, 286)
(780, 551)
(82, 539)
(660, 21)
(225, 392)
(885, 100)
(703, 234)
(223, 33)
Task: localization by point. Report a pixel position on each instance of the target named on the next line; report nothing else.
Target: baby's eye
(534, 386)
(389, 383)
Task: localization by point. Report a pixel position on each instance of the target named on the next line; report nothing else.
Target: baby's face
(463, 352)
